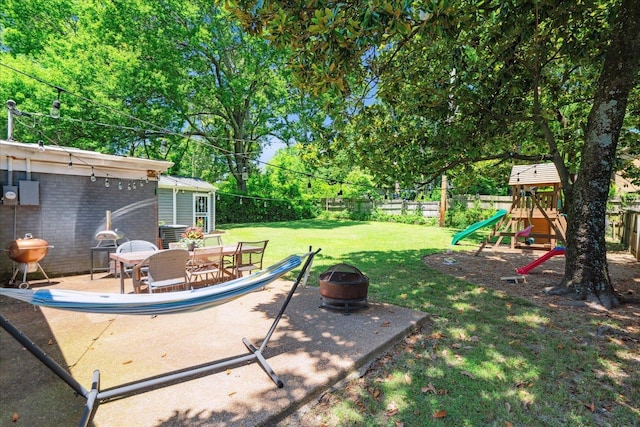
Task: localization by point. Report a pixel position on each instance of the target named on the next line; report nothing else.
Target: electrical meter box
(29, 192)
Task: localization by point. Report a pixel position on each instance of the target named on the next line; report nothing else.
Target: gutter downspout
(175, 205)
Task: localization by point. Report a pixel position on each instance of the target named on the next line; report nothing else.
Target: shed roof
(538, 174)
(184, 183)
(55, 159)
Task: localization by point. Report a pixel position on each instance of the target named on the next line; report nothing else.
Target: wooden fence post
(443, 200)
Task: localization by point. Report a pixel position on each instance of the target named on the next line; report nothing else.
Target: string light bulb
(55, 109)
(40, 146)
(129, 186)
(106, 182)
(93, 175)
(133, 184)
(70, 164)
(119, 185)
(240, 200)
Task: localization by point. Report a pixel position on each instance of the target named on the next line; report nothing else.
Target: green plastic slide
(474, 227)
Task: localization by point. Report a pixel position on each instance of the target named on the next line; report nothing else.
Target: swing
(527, 230)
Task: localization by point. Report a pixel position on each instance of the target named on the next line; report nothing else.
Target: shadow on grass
(490, 358)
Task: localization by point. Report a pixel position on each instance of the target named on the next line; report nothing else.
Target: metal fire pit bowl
(343, 287)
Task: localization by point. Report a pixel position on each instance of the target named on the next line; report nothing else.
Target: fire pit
(28, 252)
(343, 286)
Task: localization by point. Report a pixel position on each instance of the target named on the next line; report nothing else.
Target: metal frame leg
(95, 397)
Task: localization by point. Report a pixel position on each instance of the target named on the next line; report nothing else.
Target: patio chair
(212, 240)
(134, 246)
(166, 269)
(248, 257)
(205, 266)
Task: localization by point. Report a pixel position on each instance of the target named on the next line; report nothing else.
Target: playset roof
(537, 174)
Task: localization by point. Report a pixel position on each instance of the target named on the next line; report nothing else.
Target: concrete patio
(311, 350)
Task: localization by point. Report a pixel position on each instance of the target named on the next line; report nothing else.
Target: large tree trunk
(587, 271)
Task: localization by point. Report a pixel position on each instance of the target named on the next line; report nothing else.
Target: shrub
(459, 216)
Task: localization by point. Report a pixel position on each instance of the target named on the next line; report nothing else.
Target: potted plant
(193, 237)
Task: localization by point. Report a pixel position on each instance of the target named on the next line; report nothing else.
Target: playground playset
(534, 220)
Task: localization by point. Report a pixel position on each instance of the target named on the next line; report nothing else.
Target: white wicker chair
(135, 246)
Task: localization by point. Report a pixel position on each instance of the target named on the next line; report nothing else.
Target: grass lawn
(484, 359)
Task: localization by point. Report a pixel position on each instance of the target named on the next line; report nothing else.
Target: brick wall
(72, 210)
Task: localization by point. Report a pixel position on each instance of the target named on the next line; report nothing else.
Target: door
(202, 211)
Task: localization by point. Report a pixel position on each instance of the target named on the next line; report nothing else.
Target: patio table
(135, 258)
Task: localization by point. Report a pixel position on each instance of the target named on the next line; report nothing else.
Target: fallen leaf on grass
(436, 336)
(50, 342)
(407, 378)
(507, 424)
(376, 393)
(440, 414)
(468, 374)
(392, 409)
(507, 407)
(590, 406)
(15, 417)
(429, 388)
(403, 296)
(399, 424)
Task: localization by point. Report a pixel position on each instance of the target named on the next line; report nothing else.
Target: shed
(183, 202)
(62, 195)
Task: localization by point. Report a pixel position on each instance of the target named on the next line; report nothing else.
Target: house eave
(18, 156)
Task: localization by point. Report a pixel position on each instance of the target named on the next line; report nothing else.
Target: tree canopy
(169, 79)
(459, 82)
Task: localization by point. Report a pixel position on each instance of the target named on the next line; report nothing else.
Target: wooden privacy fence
(429, 209)
(631, 232)
(391, 207)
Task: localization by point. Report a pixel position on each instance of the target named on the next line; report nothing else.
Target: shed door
(202, 210)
